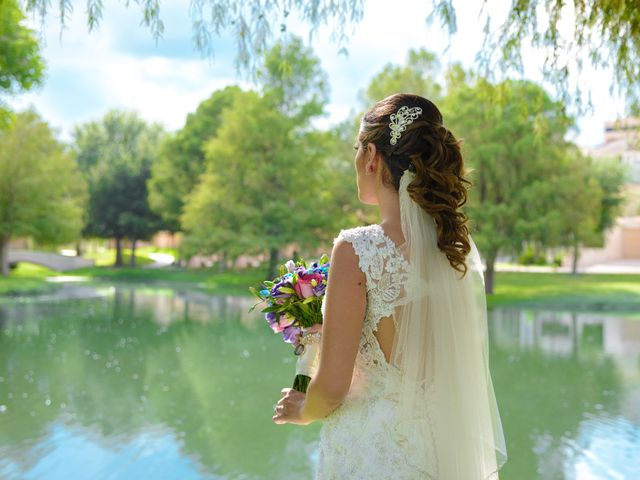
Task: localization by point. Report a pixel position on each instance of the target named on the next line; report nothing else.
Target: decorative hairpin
(399, 121)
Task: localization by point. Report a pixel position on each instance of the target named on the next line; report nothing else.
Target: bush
(557, 259)
(530, 257)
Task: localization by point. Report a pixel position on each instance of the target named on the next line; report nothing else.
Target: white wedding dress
(359, 439)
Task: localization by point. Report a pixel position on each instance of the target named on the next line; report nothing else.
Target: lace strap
(360, 239)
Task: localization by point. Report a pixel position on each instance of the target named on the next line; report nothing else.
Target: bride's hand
(289, 408)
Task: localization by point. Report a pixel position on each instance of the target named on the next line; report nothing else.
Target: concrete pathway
(160, 260)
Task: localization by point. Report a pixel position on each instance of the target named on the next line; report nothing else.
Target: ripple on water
(603, 447)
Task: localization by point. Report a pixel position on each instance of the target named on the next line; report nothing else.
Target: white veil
(441, 350)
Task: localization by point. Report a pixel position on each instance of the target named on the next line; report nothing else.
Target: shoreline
(554, 291)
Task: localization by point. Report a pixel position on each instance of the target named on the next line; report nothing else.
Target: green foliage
(260, 189)
(116, 155)
(532, 257)
(293, 81)
(252, 23)
(603, 33)
(417, 76)
(611, 175)
(269, 178)
(515, 137)
(181, 159)
(21, 66)
(41, 189)
(557, 259)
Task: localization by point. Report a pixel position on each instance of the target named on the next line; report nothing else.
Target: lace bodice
(358, 439)
(386, 270)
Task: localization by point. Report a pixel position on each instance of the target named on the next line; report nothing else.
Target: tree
(513, 134)
(293, 81)
(21, 66)
(41, 188)
(116, 155)
(611, 176)
(417, 76)
(181, 160)
(604, 33)
(260, 190)
(568, 205)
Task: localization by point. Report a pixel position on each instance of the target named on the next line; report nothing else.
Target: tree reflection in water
(130, 381)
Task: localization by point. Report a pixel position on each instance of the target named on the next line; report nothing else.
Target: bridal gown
(359, 439)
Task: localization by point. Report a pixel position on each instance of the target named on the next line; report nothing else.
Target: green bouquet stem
(301, 383)
(307, 362)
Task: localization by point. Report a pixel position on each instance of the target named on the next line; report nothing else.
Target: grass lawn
(592, 292)
(558, 291)
(209, 279)
(106, 258)
(27, 278)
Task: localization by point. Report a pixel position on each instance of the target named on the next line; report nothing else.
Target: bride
(403, 387)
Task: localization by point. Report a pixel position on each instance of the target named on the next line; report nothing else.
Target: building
(622, 241)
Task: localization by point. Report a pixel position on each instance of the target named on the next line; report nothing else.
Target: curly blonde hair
(430, 150)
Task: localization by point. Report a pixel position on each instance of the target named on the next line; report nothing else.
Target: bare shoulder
(345, 263)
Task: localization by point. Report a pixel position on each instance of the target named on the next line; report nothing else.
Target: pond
(131, 381)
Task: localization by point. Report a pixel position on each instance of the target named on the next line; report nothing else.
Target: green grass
(106, 258)
(209, 279)
(615, 292)
(27, 278)
(558, 291)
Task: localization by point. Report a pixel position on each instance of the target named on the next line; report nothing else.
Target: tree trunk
(4, 256)
(132, 260)
(79, 248)
(576, 256)
(118, 252)
(575, 259)
(273, 260)
(222, 262)
(490, 273)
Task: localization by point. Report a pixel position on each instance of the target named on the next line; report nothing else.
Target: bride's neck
(389, 207)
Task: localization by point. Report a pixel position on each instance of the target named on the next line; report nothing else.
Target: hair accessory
(399, 121)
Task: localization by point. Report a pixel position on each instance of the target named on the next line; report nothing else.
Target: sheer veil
(447, 402)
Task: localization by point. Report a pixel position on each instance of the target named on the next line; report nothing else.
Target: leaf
(254, 306)
(273, 308)
(256, 293)
(287, 290)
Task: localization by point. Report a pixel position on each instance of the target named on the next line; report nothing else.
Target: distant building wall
(622, 242)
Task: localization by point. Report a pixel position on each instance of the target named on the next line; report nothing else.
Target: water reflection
(138, 382)
(569, 389)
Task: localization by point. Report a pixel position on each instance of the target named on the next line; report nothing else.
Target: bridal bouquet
(294, 303)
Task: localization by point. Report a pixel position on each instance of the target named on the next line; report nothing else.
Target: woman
(403, 385)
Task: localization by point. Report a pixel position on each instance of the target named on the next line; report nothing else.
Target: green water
(133, 382)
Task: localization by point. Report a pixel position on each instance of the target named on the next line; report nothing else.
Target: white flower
(290, 266)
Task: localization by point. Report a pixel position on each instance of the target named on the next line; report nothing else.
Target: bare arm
(345, 306)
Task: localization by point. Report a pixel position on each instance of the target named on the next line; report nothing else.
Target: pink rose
(283, 322)
(304, 288)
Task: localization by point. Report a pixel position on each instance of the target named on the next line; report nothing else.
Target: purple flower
(270, 317)
(275, 290)
(319, 289)
(291, 334)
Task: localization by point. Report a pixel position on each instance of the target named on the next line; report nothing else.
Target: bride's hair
(430, 150)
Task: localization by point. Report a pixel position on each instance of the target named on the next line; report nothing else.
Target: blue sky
(120, 66)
